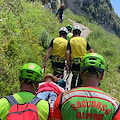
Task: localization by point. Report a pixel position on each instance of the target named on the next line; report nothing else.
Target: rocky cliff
(101, 11)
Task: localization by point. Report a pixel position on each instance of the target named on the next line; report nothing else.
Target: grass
(24, 37)
(26, 30)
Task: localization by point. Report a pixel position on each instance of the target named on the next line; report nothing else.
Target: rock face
(100, 11)
(76, 5)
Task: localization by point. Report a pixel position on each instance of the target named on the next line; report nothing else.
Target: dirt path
(85, 32)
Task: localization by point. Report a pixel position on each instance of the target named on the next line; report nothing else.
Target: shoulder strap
(35, 100)
(11, 100)
(118, 109)
(60, 105)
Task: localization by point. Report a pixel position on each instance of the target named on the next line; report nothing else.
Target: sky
(116, 6)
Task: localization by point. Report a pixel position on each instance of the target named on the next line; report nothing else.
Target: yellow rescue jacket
(59, 47)
(78, 47)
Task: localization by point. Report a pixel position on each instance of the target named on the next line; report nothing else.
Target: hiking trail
(84, 33)
(85, 30)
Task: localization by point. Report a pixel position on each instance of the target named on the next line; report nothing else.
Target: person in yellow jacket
(30, 76)
(77, 48)
(58, 48)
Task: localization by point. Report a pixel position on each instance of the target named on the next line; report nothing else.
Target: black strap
(11, 100)
(60, 105)
(116, 111)
(35, 100)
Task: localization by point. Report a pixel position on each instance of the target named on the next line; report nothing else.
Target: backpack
(56, 13)
(26, 111)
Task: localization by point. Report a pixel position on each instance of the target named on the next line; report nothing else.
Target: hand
(67, 66)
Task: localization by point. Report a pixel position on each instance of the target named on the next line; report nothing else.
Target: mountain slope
(25, 32)
(101, 11)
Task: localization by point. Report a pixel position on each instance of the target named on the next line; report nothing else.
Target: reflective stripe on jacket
(88, 103)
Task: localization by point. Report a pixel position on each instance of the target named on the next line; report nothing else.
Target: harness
(56, 58)
(76, 60)
(58, 63)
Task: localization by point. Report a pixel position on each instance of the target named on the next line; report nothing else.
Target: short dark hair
(75, 32)
(92, 70)
(26, 80)
(62, 33)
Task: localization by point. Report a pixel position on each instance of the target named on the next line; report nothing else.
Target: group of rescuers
(85, 102)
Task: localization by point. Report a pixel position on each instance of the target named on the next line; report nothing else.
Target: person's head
(62, 6)
(76, 30)
(46, 1)
(92, 66)
(63, 32)
(30, 74)
(69, 27)
(49, 78)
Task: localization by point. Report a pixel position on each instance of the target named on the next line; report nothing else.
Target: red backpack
(26, 111)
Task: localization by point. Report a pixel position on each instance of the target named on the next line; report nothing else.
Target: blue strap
(11, 100)
(35, 100)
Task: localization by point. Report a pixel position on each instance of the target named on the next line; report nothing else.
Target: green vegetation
(25, 32)
(107, 45)
(103, 13)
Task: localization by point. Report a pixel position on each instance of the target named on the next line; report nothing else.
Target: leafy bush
(45, 39)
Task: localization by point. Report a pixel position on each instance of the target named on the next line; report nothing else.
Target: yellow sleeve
(43, 110)
(4, 108)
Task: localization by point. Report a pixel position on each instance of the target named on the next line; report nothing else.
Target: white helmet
(77, 27)
(63, 29)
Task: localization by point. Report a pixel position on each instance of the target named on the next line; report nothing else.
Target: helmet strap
(98, 74)
(34, 86)
(85, 73)
(22, 81)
